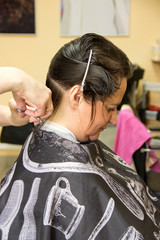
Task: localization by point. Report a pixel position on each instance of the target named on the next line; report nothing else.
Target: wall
(33, 53)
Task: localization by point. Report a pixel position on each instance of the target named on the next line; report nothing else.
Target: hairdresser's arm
(26, 91)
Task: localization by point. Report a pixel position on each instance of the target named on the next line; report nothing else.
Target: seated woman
(66, 184)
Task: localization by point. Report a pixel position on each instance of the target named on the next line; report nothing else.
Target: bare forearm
(10, 79)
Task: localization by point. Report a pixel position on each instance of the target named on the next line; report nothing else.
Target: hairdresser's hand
(29, 92)
(13, 116)
(26, 92)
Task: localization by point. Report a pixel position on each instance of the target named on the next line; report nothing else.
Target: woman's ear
(75, 96)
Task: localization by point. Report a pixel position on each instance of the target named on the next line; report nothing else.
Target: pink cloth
(130, 136)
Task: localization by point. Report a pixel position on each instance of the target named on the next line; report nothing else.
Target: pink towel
(130, 136)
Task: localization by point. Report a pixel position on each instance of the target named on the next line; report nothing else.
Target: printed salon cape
(60, 189)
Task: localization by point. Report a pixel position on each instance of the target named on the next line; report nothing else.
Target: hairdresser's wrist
(9, 79)
(20, 80)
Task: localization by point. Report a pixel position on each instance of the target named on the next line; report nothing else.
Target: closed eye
(111, 109)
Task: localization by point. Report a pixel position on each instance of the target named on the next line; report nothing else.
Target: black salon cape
(59, 189)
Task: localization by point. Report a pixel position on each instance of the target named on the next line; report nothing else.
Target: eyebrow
(114, 104)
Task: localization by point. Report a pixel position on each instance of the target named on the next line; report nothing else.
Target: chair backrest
(15, 135)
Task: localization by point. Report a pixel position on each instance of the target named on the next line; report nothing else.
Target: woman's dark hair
(108, 66)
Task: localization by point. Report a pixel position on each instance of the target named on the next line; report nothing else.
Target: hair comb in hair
(86, 71)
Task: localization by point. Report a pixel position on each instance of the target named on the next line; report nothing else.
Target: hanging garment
(61, 189)
(130, 136)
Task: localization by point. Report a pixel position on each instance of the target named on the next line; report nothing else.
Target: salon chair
(15, 135)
